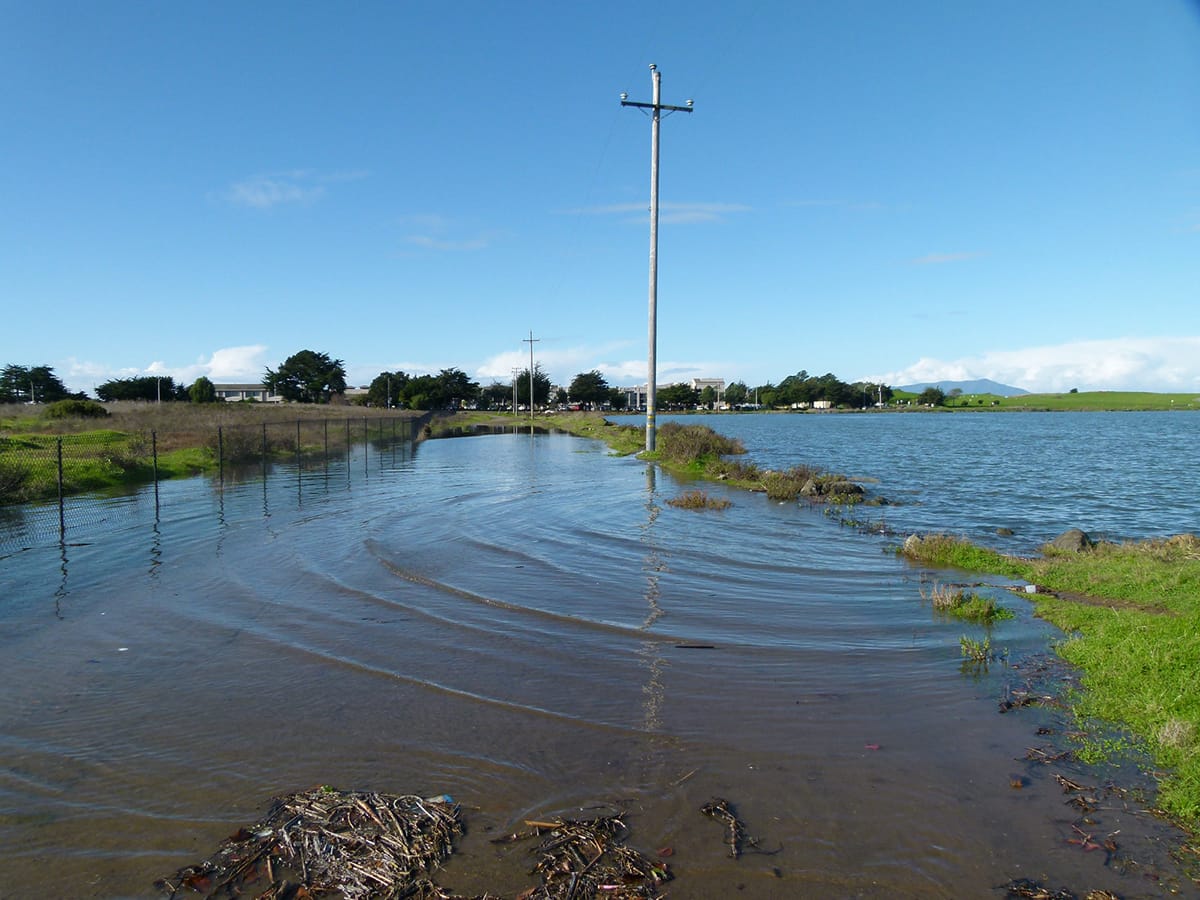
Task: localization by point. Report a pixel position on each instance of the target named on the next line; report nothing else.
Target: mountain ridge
(972, 386)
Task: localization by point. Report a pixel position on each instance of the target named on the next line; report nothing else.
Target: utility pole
(656, 109)
(530, 341)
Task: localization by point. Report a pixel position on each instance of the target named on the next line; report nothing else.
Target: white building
(234, 392)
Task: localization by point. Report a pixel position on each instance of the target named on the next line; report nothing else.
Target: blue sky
(912, 191)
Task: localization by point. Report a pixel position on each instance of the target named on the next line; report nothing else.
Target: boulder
(1073, 541)
(843, 489)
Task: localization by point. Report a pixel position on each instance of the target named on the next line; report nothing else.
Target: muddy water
(524, 623)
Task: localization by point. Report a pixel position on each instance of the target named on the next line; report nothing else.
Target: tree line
(309, 376)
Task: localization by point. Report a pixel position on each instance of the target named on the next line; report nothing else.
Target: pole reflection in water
(653, 565)
(155, 550)
(61, 592)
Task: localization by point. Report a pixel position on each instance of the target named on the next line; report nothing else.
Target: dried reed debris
(580, 858)
(357, 844)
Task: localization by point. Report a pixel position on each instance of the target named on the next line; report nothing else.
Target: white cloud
(229, 364)
(265, 192)
(1167, 364)
(282, 188)
(560, 363)
(437, 233)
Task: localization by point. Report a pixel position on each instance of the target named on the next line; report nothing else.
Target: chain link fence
(51, 484)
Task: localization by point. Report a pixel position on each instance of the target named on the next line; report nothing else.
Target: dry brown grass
(942, 596)
(180, 425)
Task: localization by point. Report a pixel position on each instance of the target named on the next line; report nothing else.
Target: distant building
(234, 392)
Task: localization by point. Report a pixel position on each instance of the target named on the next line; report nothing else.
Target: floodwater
(523, 622)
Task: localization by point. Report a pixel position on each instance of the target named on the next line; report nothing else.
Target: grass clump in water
(974, 651)
(698, 500)
(954, 601)
(694, 445)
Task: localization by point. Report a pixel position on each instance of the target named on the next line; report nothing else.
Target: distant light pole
(515, 373)
(656, 109)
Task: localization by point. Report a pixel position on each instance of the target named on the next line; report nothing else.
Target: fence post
(220, 456)
(62, 518)
(264, 452)
(366, 446)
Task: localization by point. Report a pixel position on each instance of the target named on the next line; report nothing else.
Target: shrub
(687, 444)
(76, 409)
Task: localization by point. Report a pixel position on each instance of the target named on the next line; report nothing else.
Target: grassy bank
(1131, 613)
(1080, 401)
(136, 441)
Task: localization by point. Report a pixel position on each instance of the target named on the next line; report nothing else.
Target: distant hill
(978, 386)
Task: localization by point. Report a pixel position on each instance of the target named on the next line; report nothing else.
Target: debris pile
(588, 858)
(359, 844)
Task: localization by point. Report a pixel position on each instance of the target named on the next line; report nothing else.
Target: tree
(678, 396)
(932, 396)
(870, 393)
(708, 396)
(449, 389)
(202, 391)
(150, 388)
(736, 393)
(588, 387)
(455, 389)
(496, 395)
(386, 389)
(617, 398)
(765, 394)
(795, 390)
(19, 384)
(541, 387)
(307, 377)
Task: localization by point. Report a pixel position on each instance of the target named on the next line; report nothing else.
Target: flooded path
(521, 621)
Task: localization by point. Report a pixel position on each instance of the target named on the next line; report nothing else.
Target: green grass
(1102, 401)
(1131, 613)
(1091, 401)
